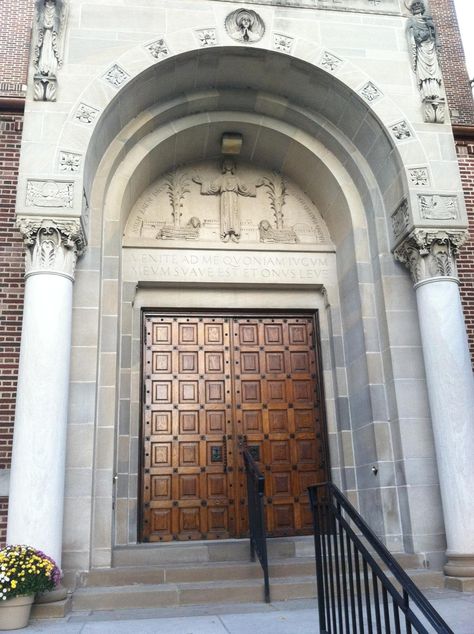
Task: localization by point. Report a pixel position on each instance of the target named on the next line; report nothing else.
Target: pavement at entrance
(289, 617)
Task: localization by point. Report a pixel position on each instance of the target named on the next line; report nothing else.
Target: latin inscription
(237, 267)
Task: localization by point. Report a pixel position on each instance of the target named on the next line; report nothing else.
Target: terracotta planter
(15, 613)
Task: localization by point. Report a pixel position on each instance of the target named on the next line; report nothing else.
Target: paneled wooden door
(211, 383)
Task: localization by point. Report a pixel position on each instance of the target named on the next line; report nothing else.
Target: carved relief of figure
(50, 15)
(229, 187)
(245, 25)
(423, 43)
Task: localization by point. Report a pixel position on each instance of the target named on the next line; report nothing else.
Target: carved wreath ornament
(245, 25)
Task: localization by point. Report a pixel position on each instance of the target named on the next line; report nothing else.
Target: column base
(460, 584)
(459, 565)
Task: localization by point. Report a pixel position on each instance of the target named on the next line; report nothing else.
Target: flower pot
(15, 613)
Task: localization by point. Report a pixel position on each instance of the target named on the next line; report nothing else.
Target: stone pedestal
(35, 514)
(430, 256)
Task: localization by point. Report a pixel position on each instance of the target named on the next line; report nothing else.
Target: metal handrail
(256, 515)
(353, 590)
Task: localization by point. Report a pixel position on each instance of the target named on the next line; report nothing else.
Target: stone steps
(211, 572)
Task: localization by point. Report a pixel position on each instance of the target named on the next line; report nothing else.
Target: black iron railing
(256, 514)
(355, 595)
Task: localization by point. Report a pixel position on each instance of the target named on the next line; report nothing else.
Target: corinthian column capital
(52, 245)
(431, 253)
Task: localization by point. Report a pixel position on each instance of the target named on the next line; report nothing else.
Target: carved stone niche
(224, 202)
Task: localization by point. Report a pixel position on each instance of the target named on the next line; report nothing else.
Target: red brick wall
(11, 286)
(466, 257)
(453, 61)
(15, 34)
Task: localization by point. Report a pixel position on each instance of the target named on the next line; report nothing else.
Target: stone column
(431, 257)
(35, 514)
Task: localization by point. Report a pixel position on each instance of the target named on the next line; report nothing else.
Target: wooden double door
(211, 383)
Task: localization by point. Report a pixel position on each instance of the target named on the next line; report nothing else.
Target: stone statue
(51, 17)
(229, 188)
(423, 43)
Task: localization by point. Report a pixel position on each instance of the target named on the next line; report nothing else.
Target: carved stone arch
(104, 112)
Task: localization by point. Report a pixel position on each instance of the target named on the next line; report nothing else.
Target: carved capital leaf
(52, 245)
(430, 253)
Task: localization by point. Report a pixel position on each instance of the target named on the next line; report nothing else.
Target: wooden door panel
(208, 382)
(186, 486)
(276, 408)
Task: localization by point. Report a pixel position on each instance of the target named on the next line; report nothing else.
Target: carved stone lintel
(52, 245)
(430, 253)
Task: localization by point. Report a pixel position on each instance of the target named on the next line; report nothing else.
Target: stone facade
(329, 185)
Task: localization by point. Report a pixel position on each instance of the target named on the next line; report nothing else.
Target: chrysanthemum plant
(25, 571)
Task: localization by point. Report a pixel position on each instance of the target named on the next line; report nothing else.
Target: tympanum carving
(51, 16)
(223, 204)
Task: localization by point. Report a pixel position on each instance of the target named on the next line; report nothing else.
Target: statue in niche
(244, 25)
(423, 43)
(228, 187)
(277, 192)
(51, 18)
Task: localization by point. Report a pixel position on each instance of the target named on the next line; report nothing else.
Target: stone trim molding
(52, 245)
(431, 253)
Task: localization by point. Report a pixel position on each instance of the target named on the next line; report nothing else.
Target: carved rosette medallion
(52, 245)
(431, 253)
(245, 25)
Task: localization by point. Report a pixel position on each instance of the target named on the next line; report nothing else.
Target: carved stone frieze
(206, 37)
(419, 176)
(400, 219)
(401, 131)
(215, 204)
(282, 43)
(438, 207)
(391, 7)
(431, 253)
(69, 162)
(330, 62)
(49, 194)
(116, 76)
(370, 92)
(245, 25)
(52, 245)
(51, 18)
(86, 114)
(159, 49)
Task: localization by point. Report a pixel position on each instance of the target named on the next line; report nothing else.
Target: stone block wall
(15, 35)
